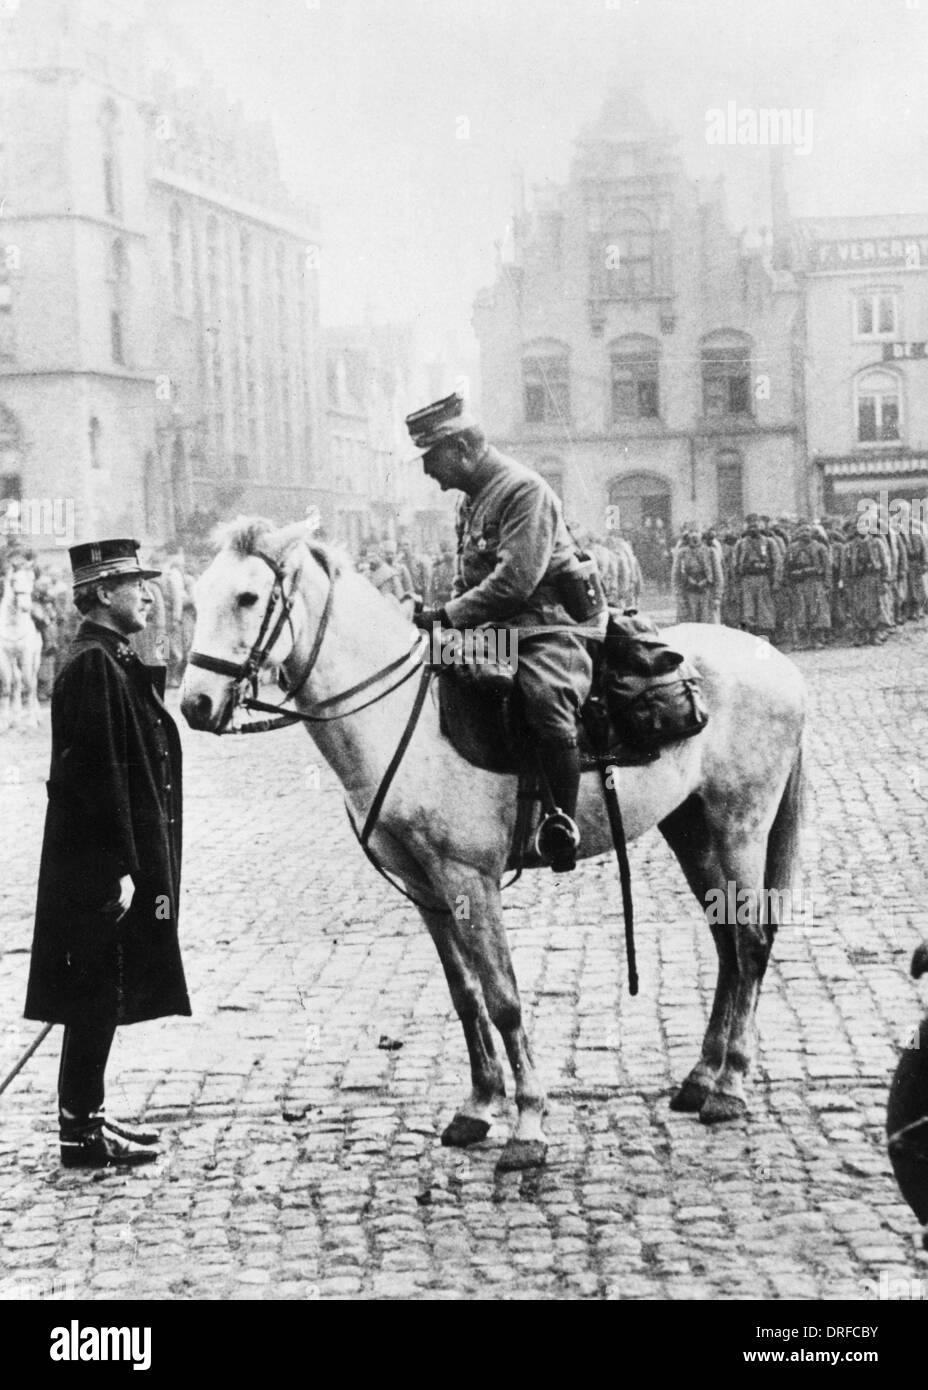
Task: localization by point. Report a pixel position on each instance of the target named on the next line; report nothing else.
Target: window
(730, 486)
(625, 256)
(11, 487)
(726, 376)
(878, 408)
(177, 257)
(119, 276)
(546, 386)
(112, 175)
(876, 314)
(635, 380)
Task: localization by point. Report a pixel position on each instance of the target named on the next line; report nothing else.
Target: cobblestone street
(302, 1104)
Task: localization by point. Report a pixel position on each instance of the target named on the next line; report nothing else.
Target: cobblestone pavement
(303, 1102)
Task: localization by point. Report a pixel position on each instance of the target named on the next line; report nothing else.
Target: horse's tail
(783, 843)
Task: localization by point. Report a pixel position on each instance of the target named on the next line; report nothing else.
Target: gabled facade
(635, 352)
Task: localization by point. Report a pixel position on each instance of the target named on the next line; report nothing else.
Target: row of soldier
(802, 583)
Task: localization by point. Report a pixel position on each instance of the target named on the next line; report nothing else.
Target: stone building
(635, 351)
(866, 296)
(160, 353)
(377, 374)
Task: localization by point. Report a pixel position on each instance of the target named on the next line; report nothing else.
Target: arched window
(178, 270)
(119, 288)
(546, 383)
(878, 407)
(726, 374)
(112, 169)
(635, 378)
(626, 251)
(729, 469)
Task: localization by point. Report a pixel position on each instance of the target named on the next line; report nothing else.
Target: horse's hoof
(520, 1154)
(691, 1097)
(463, 1131)
(720, 1107)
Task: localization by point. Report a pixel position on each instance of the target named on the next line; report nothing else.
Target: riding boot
(558, 837)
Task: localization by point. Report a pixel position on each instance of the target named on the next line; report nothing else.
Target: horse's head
(246, 617)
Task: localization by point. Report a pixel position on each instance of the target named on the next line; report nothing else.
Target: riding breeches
(554, 673)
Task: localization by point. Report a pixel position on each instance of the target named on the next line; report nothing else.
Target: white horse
(20, 651)
(728, 801)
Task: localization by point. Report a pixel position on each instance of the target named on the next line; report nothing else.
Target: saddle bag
(651, 693)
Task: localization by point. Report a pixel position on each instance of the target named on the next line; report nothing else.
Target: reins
(247, 672)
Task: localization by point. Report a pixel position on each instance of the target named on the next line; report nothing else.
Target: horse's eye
(247, 600)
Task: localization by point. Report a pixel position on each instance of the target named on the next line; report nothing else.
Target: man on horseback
(517, 566)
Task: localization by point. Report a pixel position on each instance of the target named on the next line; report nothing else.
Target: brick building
(637, 353)
(160, 349)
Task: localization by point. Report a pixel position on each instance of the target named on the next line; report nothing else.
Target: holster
(580, 589)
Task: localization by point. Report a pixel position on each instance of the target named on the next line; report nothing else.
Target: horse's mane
(246, 535)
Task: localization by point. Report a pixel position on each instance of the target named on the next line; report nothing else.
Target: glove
(429, 617)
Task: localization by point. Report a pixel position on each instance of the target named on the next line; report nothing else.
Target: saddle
(643, 696)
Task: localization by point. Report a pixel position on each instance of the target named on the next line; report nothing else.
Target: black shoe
(134, 1133)
(557, 842)
(558, 837)
(94, 1148)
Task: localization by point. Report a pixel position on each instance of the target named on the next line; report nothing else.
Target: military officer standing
(105, 950)
(808, 577)
(758, 569)
(517, 566)
(693, 577)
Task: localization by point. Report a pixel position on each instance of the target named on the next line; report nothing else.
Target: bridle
(246, 673)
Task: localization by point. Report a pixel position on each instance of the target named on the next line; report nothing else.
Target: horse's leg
(472, 1120)
(34, 691)
(742, 856)
(489, 951)
(687, 832)
(16, 692)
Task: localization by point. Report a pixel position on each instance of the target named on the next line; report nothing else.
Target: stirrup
(557, 841)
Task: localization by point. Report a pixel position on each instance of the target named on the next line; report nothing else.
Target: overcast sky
(369, 99)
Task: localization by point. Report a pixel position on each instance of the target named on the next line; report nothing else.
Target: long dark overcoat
(114, 808)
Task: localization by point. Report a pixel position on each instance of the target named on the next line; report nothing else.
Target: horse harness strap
(248, 669)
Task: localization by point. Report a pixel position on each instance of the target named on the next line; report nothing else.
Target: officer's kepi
(441, 420)
(95, 561)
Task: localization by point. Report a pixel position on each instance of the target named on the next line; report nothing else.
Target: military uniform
(114, 812)
(758, 569)
(918, 564)
(730, 607)
(513, 544)
(694, 575)
(441, 581)
(868, 571)
(517, 566)
(808, 578)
